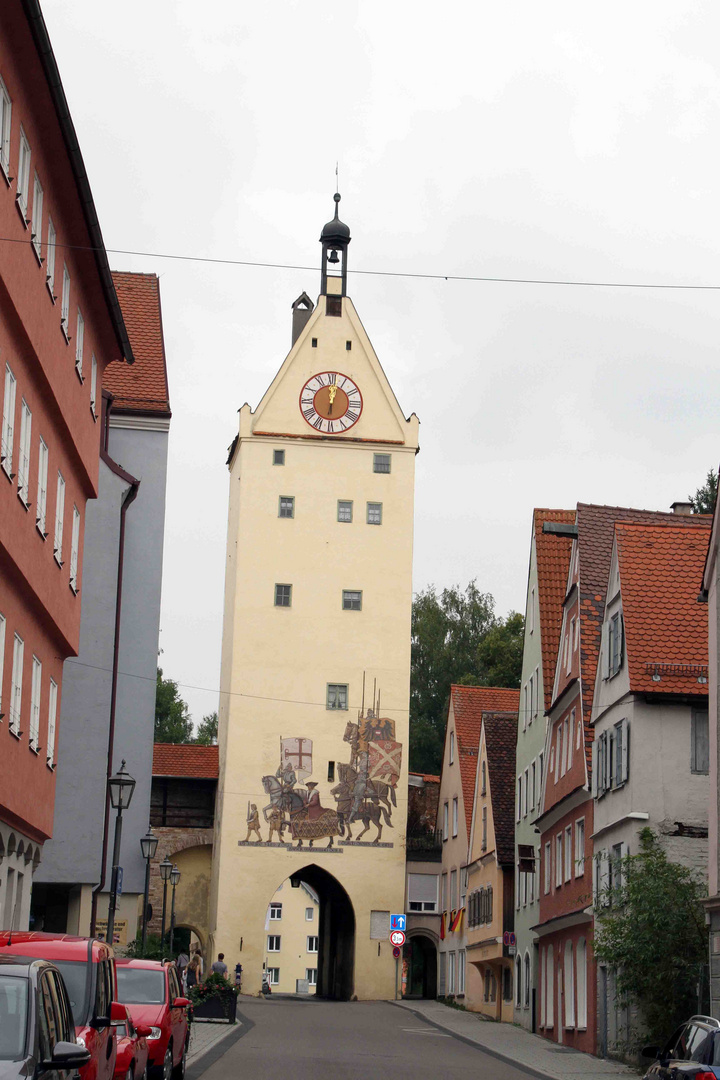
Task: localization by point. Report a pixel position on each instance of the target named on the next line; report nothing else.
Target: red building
(60, 325)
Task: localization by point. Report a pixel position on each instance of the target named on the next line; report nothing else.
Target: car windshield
(13, 1017)
(75, 977)
(141, 986)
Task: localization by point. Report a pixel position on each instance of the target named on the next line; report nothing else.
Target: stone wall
(193, 892)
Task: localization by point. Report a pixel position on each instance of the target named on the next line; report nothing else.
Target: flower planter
(221, 1006)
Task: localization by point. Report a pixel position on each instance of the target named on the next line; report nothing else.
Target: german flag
(456, 920)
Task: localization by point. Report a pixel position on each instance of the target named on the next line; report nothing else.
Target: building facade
(313, 733)
(709, 594)
(60, 326)
(292, 940)
(422, 890)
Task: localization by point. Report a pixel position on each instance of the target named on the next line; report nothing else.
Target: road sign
(396, 953)
(397, 937)
(397, 922)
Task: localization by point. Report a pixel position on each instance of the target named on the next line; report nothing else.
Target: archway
(420, 962)
(334, 933)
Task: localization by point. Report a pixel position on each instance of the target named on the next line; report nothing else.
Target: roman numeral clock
(331, 402)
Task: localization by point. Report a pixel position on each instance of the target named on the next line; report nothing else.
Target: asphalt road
(322, 1040)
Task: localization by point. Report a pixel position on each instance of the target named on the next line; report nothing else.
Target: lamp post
(121, 788)
(165, 871)
(174, 877)
(148, 846)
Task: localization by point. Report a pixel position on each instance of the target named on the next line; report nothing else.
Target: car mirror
(143, 1030)
(118, 1012)
(66, 1055)
(100, 1022)
(651, 1051)
(181, 1003)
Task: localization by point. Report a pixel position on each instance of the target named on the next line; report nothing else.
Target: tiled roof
(664, 624)
(142, 387)
(469, 704)
(185, 759)
(500, 742)
(552, 555)
(427, 777)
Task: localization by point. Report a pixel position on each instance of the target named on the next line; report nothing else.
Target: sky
(561, 141)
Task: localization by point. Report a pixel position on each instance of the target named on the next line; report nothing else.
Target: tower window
(352, 600)
(374, 513)
(331, 772)
(333, 305)
(381, 463)
(314, 343)
(348, 346)
(287, 506)
(344, 510)
(278, 457)
(283, 595)
(337, 696)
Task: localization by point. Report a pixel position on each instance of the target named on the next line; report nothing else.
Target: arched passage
(420, 960)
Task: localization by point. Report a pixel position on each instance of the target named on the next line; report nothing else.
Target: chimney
(682, 508)
(302, 309)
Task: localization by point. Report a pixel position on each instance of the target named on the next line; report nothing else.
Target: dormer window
(614, 644)
(451, 756)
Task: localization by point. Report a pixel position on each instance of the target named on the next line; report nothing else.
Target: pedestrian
(181, 963)
(201, 971)
(238, 976)
(220, 967)
(193, 971)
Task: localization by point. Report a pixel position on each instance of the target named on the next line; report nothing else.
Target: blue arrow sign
(397, 922)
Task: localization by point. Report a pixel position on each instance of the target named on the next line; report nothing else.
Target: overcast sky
(557, 140)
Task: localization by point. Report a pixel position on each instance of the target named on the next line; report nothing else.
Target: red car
(88, 970)
(132, 1048)
(152, 993)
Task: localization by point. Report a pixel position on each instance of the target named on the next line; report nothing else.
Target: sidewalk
(205, 1036)
(517, 1046)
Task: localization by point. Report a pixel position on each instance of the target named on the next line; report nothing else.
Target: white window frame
(8, 423)
(50, 250)
(580, 847)
(275, 912)
(484, 840)
(75, 550)
(65, 303)
(335, 695)
(564, 765)
(23, 176)
(569, 984)
(3, 625)
(93, 386)
(526, 707)
(309, 914)
(615, 643)
(571, 638)
(548, 867)
(374, 512)
(79, 342)
(23, 473)
(446, 820)
(36, 690)
(531, 695)
(41, 500)
(536, 703)
(455, 816)
(313, 943)
(518, 814)
(59, 518)
(5, 127)
(52, 723)
(15, 710)
(570, 738)
(568, 853)
(526, 785)
(451, 751)
(558, 860)
(451, 973)
(37, 212)
(461, 972)
(311, 976)
(274, 943)
(531, 612)
(273, 976)
(533, 781)
(345, 511)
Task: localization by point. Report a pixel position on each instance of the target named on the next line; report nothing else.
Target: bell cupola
(334, 238)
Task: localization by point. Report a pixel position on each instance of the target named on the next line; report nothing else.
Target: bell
(333, 256)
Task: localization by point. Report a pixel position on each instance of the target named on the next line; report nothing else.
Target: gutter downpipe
(130, 497)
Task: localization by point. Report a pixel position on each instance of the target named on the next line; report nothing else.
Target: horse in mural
(349, 809)
(308, 819)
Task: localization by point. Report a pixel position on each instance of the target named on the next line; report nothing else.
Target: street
(354, 1040)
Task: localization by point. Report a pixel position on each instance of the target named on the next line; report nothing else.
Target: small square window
(337, 696)
(344, 510)
(374, 513)
(331, 772)
(278, 457)
(273, 943)
(314, 343)
(308, 914)
(348, 346)
(275, 911)
(287, 507)
(351, 600)
(333, 305)
(283, 595)
(381, 463)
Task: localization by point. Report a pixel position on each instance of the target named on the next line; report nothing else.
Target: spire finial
(337, 198)
(337, 177)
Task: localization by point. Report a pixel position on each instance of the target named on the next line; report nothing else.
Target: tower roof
(336, 231)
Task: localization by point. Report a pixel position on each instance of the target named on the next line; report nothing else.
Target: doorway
(420, 958)
(335, 940)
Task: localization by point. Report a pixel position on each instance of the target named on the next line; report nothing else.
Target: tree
(447, 631)
(172, 719)
(703, 501)
(650, 928)
(207, 732)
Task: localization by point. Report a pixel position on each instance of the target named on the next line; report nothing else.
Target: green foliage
(650, 928)
(450, 632)
(172, 719)
(703, 501)
(207, 732)
(154, 949)
(214, 986)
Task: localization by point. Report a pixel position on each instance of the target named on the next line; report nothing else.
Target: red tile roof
(427, 777)
(552, 555)
(500, 742)
(185, 759)
(664, 624)
(469, 704)
(142, 387)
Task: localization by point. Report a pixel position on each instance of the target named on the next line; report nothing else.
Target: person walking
(220, 967)
(193, 971)
(181, 963)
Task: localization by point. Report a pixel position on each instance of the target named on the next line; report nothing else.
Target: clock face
(331, 402)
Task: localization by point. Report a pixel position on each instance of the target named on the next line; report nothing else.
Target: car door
(50, 1028)
(660, 1069)
(178, 1018)
(106, 1044)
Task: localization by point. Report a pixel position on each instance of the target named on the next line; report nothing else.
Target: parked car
(152, 993)
(88, 970)
(37, 1029)
(680, 1048)
(132, 1048)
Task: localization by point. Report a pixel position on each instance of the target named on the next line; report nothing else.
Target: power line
(383, 273)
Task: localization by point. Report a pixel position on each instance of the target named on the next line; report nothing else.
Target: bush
(154, 948)
(214, 986)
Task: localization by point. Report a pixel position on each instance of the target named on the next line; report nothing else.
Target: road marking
(427, 1031)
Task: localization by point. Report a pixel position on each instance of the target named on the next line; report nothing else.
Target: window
(617, 873)
(37, 211)
(59, 515)
(344, 510)
(273, 976)
(273, 943)
(74, 550)
(518, 982)
(451, 973)
(23, 176)
(564, 744)
(5, 126)
(699, 744)
(24, 456)
(314, 343)
(79, 342)
(569, 994)
(568, 852)
(52, 719)
(8, 424)
(348, 346)
(531, 611)
(309, 914)
(286, 507)
(536, 703)
(352, 600)
(50, 257)
(532, 785)
(581, 966)
(444, 891)
(311, 976)
(455, 816)
(526, 707)
(283, 595)
(571, 738)
(526, 981)
(483, 778)
(93, 385)
(550, 989)
(41, 501)
(526, 785)
(278, 457)
(374, 513)
(333, 306)
(547, 868)
(331, 772)
(558, 752)
(519, 799)
(16, 684)
(275, 912)
(422, 892)
(312, 943)
(577, 634)
(558, 860)
(35, 703)
(337, 696)
(484, 829)
(571, 638)
(453, 889)
(2, 654)
(531, 695)
(65, 303)
(580, 847)
(381, 463)
(451, 757)
(614, 644)
(445, 821)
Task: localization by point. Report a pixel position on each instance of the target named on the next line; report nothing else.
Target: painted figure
(253, 823)
(276, 822)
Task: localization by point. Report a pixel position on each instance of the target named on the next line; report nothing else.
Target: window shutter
(604, 877)
(595, 769)
(621, 650)
(490, 903)
(625, 729)
(623, 855)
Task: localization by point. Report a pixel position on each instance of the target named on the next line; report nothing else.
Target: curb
(207, 1057)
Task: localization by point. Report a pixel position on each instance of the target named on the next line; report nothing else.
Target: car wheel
(167, 1069)
(179, 1070)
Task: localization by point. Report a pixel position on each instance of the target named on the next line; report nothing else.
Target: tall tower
(315, 674)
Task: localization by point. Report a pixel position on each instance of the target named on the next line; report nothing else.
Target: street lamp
(148, 846)
(174, 877)
(165, 871)
(121, 788)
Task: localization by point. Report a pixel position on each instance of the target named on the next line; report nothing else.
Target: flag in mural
(298, 754)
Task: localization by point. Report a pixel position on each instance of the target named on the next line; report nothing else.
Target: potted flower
(214, 999)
